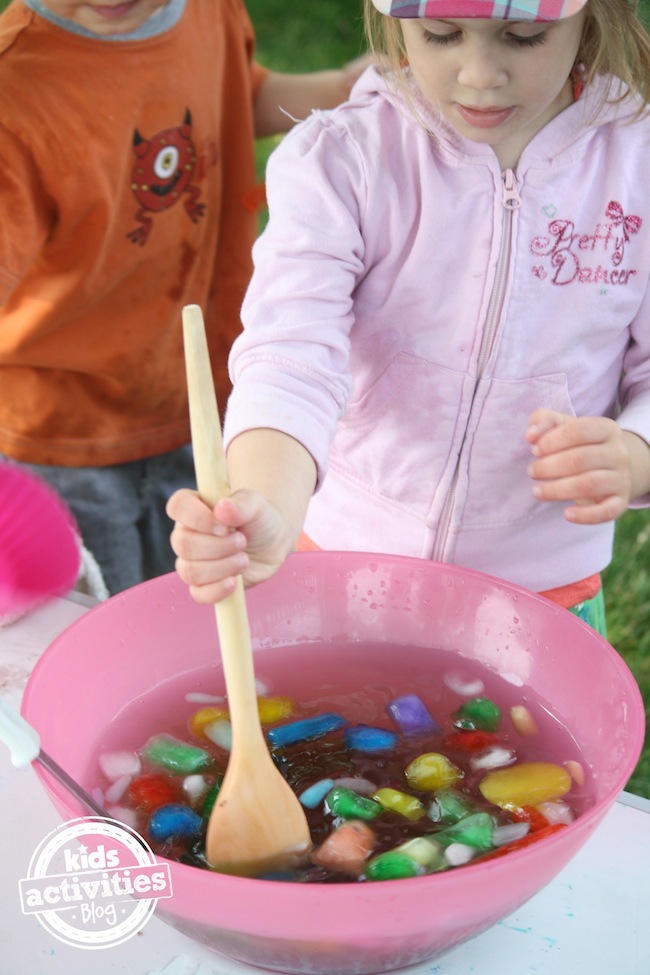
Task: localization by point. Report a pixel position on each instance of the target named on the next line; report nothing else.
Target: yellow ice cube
(525, 785)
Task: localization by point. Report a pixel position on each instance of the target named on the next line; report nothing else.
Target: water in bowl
(358, 682)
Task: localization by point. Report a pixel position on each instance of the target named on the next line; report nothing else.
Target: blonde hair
(615, 43)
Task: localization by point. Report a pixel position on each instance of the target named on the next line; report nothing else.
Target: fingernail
(219, 530)
(537, 491)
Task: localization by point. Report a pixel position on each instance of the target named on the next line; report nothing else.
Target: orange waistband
(565, 596)
(305, 544)
(575, 592)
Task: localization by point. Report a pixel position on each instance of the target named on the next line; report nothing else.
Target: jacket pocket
(493, 486)
(398, 436)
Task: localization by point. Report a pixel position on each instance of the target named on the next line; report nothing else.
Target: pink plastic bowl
(118, 652)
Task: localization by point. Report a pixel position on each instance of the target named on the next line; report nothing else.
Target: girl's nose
(481, 69)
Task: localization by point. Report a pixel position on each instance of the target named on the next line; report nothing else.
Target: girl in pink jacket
(446, 351)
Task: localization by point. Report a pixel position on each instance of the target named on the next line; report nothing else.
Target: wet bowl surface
(118, 652)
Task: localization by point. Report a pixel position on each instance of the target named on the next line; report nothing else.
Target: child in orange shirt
(127, 190)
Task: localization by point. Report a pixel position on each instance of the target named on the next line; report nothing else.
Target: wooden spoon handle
(212, 482)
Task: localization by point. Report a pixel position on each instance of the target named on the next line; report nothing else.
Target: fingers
(210, 553)
(186, 508)
(583, 460)
(540, 422)
(550, 432)
(595, 497)
(585, 464)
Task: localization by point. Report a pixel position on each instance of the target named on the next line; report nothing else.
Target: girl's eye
(441, 39)
(531, 41)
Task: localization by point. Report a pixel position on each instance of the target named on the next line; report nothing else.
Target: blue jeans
(120, 512)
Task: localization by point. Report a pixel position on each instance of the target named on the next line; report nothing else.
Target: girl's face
(496, 81)
(105, 17)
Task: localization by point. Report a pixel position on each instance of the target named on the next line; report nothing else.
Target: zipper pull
(511, 199)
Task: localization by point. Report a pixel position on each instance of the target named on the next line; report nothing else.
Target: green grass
(304, 37)
(627, 597)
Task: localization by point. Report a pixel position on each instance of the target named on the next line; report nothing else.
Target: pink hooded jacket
(412, 305)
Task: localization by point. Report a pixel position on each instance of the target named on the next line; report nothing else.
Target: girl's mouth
(484, 118)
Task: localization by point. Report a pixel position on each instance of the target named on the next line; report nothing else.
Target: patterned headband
(485, 9)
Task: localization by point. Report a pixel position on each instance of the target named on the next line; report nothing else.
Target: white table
(594, 918)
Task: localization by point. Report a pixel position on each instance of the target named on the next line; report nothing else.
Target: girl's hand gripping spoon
(257, 823)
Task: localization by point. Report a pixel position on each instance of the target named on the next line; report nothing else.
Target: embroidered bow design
(629, 225)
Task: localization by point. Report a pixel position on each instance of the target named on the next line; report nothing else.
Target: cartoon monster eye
(166, 162)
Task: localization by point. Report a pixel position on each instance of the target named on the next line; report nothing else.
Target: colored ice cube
(469, 741)
(474, 830)
(200, 720)
(400, 802)
(412, 715)
(523, 720)
(425, 851)
(392, 865)
(272, 709)
(432, 771)
(449, 806)
(149, 791)
(176, 755)
(526, 784)
(478, 713)
(211, 798)
(349, 805)
(304, 730)
(174, 822)
(314, 795)
(366, 739)
(346, 848)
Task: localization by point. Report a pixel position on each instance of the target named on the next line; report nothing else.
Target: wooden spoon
(257, 822)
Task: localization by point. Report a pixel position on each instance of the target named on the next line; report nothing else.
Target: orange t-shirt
(127, 190)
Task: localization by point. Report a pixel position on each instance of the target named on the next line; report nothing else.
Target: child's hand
(586, 460)
(242, 535)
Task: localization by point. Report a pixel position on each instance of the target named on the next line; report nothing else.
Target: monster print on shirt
(163, 171)
(599, 256)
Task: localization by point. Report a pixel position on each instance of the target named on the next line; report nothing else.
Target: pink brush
(40, 549)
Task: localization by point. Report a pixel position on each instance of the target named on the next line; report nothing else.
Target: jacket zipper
(511, 201)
